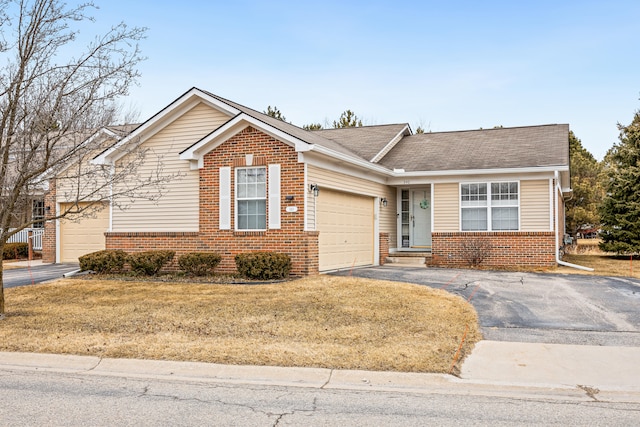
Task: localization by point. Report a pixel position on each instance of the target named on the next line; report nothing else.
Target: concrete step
(406, 260)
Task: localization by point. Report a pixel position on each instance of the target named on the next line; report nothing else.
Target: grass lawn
(320, 321)
(587, 253)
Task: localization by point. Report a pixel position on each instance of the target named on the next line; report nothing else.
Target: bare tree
(55, 97)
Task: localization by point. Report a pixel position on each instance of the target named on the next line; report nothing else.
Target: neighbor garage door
(345, 223)
(81, 237)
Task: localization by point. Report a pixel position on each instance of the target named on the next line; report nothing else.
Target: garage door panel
(82, 236)
(346, 226)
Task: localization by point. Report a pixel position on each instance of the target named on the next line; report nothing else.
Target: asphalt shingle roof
(545, 145)
(365, 141)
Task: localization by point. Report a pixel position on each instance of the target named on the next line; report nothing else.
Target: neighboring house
(332, 199)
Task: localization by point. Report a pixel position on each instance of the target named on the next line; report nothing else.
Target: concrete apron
(592, 368)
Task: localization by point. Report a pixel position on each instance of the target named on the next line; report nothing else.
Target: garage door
(345, 223)
(81, 237)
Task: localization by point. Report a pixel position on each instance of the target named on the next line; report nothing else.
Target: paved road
(41, 397)
(528, 307)
(35, 274)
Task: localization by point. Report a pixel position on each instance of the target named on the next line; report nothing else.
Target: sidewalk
(23, 264)
(583, 373)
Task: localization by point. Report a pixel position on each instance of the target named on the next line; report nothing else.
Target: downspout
(558, 190)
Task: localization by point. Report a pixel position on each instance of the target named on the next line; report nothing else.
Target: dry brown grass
(587, 253)
(603, 265)
(322, 321)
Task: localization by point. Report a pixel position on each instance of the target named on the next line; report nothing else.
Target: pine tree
(620, 210)
(348, 119)
(582, 207)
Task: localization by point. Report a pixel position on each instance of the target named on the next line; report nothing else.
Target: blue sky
(448, 65)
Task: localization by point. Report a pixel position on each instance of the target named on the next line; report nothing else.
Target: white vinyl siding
(535, 208)
(178, 207)
(446, 207)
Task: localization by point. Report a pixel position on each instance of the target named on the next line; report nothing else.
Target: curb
(316, 378)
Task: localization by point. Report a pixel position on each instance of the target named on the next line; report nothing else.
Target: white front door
(415, 218)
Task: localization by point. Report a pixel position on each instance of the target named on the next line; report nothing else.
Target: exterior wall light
(383, 202)
(315, 189)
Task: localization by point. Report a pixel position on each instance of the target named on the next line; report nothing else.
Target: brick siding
(300, 245)
(506, 249)
(49, 238)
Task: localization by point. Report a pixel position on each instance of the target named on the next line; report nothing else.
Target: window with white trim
(491, 206)
(251, 198)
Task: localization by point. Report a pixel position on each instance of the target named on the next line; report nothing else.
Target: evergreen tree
(348, 119)
(312, 126)
(620, 210)
(582, 207)
(275, 113)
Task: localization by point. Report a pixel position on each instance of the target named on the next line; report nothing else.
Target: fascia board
(157, 122)
(313, 158)
(399, 178)
(351, 160)
(107, 132)
(232, 127)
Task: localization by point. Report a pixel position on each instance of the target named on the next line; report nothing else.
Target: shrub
(199, 263)
(15, 250)
(150, 262)
(474, 251)
(263, 265)
(106, 261)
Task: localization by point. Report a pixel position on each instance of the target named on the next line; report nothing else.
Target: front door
(416, 218)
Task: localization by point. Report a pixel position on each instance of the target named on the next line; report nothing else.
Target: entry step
(408, 258)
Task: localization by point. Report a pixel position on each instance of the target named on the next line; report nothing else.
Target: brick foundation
(302, 248)
(506, 249)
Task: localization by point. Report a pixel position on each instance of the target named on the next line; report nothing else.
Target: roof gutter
(557, 199)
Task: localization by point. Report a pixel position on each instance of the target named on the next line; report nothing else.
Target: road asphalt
(610, 373)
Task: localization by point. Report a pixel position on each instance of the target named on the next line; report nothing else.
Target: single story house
(331, 199)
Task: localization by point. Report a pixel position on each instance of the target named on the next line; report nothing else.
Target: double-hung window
(489, 206)
(251, 198)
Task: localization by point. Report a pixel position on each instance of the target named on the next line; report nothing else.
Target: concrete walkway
(584, 373)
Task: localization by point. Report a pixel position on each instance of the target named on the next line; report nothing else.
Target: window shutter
(225, 198)
(274, 196)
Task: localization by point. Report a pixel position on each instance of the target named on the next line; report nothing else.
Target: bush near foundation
(263, 265)
(15, 250)
(199, 263)
(106, 261)
(149, 263)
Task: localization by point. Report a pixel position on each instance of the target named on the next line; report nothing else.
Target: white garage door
(81, 237)
(345, 223)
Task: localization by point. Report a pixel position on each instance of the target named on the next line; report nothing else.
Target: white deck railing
(22, 237)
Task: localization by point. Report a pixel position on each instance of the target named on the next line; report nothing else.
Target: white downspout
(558, 190)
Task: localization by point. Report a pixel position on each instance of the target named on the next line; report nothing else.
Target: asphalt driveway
(530, 307)
(35, 274)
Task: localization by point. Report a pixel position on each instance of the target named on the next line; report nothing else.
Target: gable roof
(500, 148)
(391, 150)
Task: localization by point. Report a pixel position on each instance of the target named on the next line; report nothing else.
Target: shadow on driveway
(531, 307)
